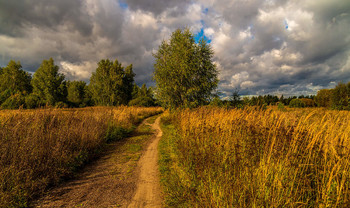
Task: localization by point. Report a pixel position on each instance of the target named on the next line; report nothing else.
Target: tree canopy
(112, 84)
(142, 96)
(77, 92)
(48, 84)
(184, 72)
(14, 78)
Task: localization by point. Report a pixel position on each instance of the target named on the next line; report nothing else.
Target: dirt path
(148, 189)
(117, 179)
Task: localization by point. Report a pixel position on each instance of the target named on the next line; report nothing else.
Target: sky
(260, 46)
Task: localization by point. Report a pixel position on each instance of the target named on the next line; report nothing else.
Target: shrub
(308, 102)
(143, 101)
(32, 101)
(14, 102)
(296, 103)
(4, 95)
(281, 107)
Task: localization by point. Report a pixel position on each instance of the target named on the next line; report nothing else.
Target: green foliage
(5, 94)
(263, 100)
(142, 96)
(49, 84)
(184, 71)
(61, 104)
(32, 101)
(111, 84)
(296, 103)
(14, 78)
(337, 98)
(216, 101)
(115, 132)
(142, 101)
(15, 101)
(324, 98)
(135, 91)
(281, 107)
(235, 99)
(340, 97)
(308, 102)
(128, 83)
(76, 92)
(175, 193)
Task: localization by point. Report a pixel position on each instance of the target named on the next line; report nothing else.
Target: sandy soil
(148, 189)
(114, 180)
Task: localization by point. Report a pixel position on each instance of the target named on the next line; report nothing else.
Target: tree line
(110, 85)
(337, 98)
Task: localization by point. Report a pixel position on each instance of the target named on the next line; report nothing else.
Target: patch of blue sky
(200, 35)
(286, 24)
(205, 11)
(123, 4)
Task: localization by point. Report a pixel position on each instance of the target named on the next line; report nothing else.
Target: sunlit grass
(260, 158)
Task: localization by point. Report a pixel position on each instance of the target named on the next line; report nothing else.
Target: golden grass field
(215, 157)
(39, 148)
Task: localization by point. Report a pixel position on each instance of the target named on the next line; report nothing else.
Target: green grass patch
(176, 192)
(115, 133)
(134, 148)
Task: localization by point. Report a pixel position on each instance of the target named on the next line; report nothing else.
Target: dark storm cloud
(158, 6)
(16, 14)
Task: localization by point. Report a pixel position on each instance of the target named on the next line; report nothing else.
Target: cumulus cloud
(261, 47)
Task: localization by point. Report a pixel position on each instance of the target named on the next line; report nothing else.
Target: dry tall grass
(255, 158)
(40, 147)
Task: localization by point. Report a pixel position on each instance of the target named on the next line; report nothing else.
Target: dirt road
(117, 179)
(148, 189)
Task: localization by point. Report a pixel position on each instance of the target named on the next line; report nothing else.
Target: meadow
(40, 148)
(216, 157)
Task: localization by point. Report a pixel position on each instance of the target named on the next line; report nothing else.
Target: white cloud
(77, 71)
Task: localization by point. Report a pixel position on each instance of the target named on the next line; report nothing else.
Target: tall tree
(48, 83)
(111, 85)
(15, 79)
(340, 99)
(184, 72)
(324, 98)
(128, 83)
(235, 98)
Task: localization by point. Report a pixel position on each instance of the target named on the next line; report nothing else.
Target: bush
(13, 102)
(143, 101)
(5, 95)
(61, 104)
(32, 101)
(115, 133)
(216, 102)
(281, 107)
(308, 102)
(296, 103)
